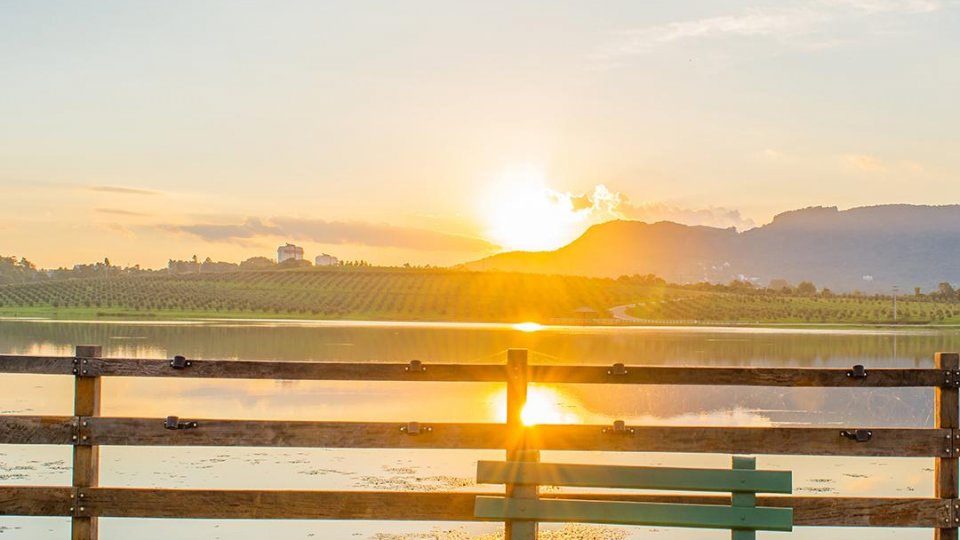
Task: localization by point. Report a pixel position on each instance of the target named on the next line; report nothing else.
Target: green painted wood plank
(557, 474)
(743, 499)
(629, 513)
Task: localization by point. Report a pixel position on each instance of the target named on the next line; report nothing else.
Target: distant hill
(868, 248)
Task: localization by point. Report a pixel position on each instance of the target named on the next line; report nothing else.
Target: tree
(806, 288)
(946, 291)
(257, 263)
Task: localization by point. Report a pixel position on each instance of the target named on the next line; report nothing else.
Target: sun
(522, 213)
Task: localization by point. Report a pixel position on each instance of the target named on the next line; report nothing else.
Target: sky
(436, 132)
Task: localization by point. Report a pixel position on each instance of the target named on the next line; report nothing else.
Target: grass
(438, 295)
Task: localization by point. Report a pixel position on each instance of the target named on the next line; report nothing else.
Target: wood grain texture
(736, 376)
(35, 501)
(266, 504)
(321, 371)
(150, 431)
(86, 459)
(38, 365)
(678, 375)
(517, 445)
(36, 429)
(737, 440)
(796, 441)
(947, 469)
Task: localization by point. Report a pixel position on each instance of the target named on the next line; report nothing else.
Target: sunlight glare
(528, 326)
(522, 213)
(545, 405)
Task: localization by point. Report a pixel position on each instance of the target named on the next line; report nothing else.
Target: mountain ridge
(868, 248)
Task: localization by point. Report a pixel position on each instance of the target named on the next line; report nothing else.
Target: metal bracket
(415, 366)
(858, 435)
(617, 369)
(173, 422)
(86, 367)
(78, 503)
(857, 372)
(619, 427)
(180, 362)
(951, 445)
(951, 379)
(81, 431)
(414, 428)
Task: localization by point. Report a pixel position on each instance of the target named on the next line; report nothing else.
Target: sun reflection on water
(528, 326)
(545, 405)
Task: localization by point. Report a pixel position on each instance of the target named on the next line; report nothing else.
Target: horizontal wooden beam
(379, 505)
(735, 376)
(814, 441)
(36, 501)
(151, 432)
(618, 476)
(325, 371)
(37, 365)
(37, 429)
(702, 516)
(339, 371)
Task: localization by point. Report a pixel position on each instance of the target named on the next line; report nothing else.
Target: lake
(443, 470)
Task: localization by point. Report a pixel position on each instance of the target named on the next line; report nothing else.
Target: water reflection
(426, 470)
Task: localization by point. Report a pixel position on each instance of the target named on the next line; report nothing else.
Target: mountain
(869, 248)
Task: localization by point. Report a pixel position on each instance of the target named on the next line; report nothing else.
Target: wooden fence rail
(84, 501)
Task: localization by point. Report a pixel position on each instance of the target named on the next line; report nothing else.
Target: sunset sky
(440, 132)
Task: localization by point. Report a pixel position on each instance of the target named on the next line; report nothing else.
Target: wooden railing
(86, 430)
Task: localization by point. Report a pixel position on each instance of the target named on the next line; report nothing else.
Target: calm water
(401, 402)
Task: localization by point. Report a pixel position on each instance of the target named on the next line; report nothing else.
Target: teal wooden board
(631, 513)
(742, 498)
(556, 474)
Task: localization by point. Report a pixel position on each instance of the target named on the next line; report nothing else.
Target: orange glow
(527, 327)
(522, 213)
(545, 405)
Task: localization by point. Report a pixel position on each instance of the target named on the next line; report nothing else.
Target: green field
(439, 295)
(336, 293)
(761, 307)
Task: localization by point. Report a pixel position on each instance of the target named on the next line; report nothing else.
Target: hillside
(334, 293)
(398, 294)
(869, 248)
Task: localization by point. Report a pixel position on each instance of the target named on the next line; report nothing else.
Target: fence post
(86, 458)
(517, 442)
(948, 417)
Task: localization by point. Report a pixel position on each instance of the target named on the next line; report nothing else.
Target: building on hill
(326, 260)
(289, 251)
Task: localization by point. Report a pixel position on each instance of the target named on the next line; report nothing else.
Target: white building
(289, 251)
(326, 260)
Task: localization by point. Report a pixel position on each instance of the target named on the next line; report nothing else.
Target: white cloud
(803, 26)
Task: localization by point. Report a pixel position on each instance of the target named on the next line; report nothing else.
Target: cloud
(786, 23)
(120, 230)
(119, 212)
(250, 228)
(122, 190)
(711, 216)
(335, 232)
(603, 205)
(865, 163)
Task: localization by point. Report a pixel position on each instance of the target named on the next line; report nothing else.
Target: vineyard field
(443, 295)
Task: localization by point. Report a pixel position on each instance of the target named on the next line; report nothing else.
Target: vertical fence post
(517, 444)
(948, 417)
(86, 458)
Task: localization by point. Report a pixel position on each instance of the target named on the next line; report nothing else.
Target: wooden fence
(84, 501)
